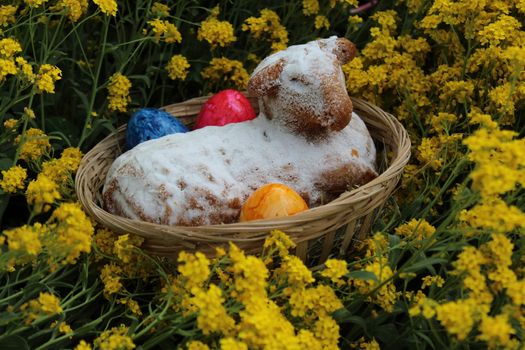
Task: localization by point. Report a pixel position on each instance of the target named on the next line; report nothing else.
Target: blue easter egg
(151, 123)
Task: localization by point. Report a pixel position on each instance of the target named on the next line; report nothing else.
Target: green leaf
(344, 316)
(6, 318)
(14, 342)
(5, 163)
(363, 275)
(424, 264)
(387, 333)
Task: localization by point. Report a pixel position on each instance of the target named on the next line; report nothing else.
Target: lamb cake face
(305, 137)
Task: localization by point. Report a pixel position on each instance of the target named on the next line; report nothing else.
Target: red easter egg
(225, 107)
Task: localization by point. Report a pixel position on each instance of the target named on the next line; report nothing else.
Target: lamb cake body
(306, 137)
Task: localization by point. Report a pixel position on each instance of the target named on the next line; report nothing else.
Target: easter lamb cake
(305, 137)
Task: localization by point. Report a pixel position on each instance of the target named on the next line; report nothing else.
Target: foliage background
(445, 267)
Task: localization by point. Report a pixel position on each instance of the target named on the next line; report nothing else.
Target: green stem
(87, 122)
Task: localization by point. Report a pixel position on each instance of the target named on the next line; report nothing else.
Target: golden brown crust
(266, 81)
(336, 181)
(345, 50)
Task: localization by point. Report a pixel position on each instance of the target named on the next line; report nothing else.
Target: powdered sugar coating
(203, 177)
(303, 87)
(306, 137)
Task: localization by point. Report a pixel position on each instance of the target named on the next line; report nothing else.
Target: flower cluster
(216, 32)
(177, 67)
(267, 27)
(118, 92)
(224, 71)
(164, 30)
(263, 317)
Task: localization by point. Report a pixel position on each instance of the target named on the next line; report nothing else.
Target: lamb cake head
(306, 137)
(303, 87)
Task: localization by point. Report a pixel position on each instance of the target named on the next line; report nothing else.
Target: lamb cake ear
(343, 49)
(266, 81)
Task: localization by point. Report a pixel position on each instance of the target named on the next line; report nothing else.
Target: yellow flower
(124, 245)
(7, 67)
(516, 291)
(494, 214)
(46, 78)
(469, 259)
(26, 239)
(322, 22)
(327, 331)
(115, 339)
(298, 275)
(268, 26)
(496, 331)
(307, 340)
(108, 7)
(222, 70)
(177, 67)
(165, 30)
(110, 276)
(74, 8)
(118, 92)
(356, 76)
(263, 326)
(34, 3)
(250, 275)
(429, 152)
(456, 317)
(7, 15)
(430, 280)
(381, 46)
(499, 250)
(13, 179)
(9, 47)
(73, 232)
(457, 92)
(46, 305)
(232, 344)
(160, 10)
(10, 123)
(25, 70)
(83, 345)
(320, 301)
(279, 240)
(371, 345)
(212, 316)
(423, 306)
(132, 305)
(194, 267)
(442, 122)
(41, 193)
(310, 7)
(197, 345)
(386, 295)
(416, 228)
(64, 328)
(335, 269)
(505, 28)
(386, 19)
(104, 240)
(503, 99)
(36, 143)
(61, 169)
(215, 32)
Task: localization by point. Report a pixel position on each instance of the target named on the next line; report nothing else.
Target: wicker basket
(320, 232)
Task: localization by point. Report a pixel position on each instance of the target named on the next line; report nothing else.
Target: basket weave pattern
(350, 215)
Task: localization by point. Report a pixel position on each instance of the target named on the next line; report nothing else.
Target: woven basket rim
(219, 232)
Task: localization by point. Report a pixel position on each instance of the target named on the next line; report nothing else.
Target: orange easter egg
(270, 201)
